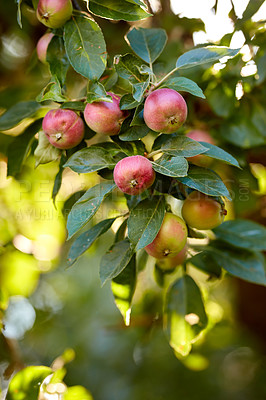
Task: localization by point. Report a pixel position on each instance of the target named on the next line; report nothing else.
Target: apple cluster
(165, 111)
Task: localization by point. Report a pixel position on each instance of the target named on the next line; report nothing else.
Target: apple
(202, 212)
(63, 128)
(42, 46)
(171, 238)
(200, 136)
(170, 263)
(134, 174)
(105, 117)
(165, 110)
(54, 13)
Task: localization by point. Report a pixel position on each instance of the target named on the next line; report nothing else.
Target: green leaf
(86, 239)
(127, 102)
(115, 260)
(118, 9)
(96, 92)
(252, 7)
(25, 385)
(17, 113)
(45, 152)
(133, 148)
(147, 43)
(145, 221)
(242, 233)
(127, 67)
(207, 263)
(77, 393)
(203, 55)
(73, 105)
(244, 264)
(57, 59)
(90, 159)
(206, 181)
(85, 208)
(18, 150)
(58, 178)
(222, 99)
(242, 133)
(171, 166)
(52, 91)
(181, 84)
(178, 146)
(185, 315)
(123, 288)
(85, 46)
(219, 154)
(134, 133)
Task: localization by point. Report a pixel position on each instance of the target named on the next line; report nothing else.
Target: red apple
(171, 238)
(54, 13)
(42, 46)
(104, 117)
(201, 136)
(165, 110)
(202, 212)
(134, 174)
(63, 128)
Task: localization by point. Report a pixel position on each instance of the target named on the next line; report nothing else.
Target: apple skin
(63, 128)
(202, 212)
(134, 174)
(171, 238)
(104, 117)
(200, 136)
(165, 110)
(42, 46)
(169, 264)
(54, 13)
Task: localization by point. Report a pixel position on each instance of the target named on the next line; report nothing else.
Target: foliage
(78, 53)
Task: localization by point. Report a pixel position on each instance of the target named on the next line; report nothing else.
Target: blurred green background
(48, 308)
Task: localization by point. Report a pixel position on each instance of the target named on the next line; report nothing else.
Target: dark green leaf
(133, 148)
(90, 159)
(171, 166)
(206, 181)
(97, 92)
(86, 239)
(206, 263)
(17, 113)
(25, 385)
(138, 116)
(244, 264)
(18, 150)
(118, 9)
(52, 91)
(203, 55)
(145, 221)
(58, 178)
(219, 154)
(123, 288)
(242, 233)
(178, 146)
(134, 133)
(45, 152)
(57, 59)
(181, 84)
(85, 208)
(85, 46)
(242, 134)
(147, 43)
(115, 260)
(222, 99)
(127, 67)
(185, 315)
